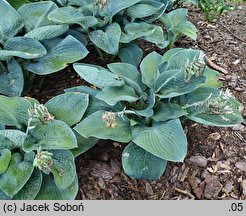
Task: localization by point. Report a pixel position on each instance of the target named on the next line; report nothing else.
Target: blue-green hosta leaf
(107, 40)
(140, 164)
(68, 107)
(66, 2)
(210, 106)
(22, 47)
(11, 79)
(11, 22)
(170, 53)
(171, 4)
(187, 29)
(164, 112)
(149, 69)
(5, 157)
(165, 140)
(70, 15)
(88, 8)
(2, 126)
(33, 101)
(5, 143)
(17, 174)
(30, 190)
(114, 6)
(145, 9)
(125, 70)
(51, 43)
(54, 134)
(129, 74)
(94, 103)
(79, 36)
(63, 169)
(212, 78)
(176, 23)
(14, 111)
(183, 58)
(49, 190)
(84, 144)
(69, 50)
(35, 14)
(47, 32)
(94, 126)
(113, 94)
(173, 83)
(77, 2)
(135, 30)
(3, 196)
(174, 18)
(195, 100)
(157, 37)
(88, 21)
(97, 76)
(131, 54)
(141, 11)
(161, 4)
(66, 15)
(15, 136)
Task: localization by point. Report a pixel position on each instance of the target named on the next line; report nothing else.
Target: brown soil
(215, 167)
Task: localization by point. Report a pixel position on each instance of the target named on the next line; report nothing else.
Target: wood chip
(149, 189)
(216, 67)
(214, 136)
(185, 193)
(184, 175)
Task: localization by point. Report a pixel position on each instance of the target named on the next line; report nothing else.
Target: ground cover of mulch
(215, 167)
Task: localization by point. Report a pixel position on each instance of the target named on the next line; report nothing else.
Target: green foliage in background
(214, 8)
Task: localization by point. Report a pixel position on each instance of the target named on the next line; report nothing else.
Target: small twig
(239, 136)
(163, 194)
(216, 67)
(134, 189)
(222, 147)
(217, 41)
(232, 33)
(184, 175)
(185, 193)
(154, 197)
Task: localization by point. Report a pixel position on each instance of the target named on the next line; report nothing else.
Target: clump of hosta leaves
(38, 145)
(111, 25)
(177, 24)
(43, 37)
(144, 108)
(30, 42)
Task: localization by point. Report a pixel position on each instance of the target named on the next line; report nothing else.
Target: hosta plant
(35, 143)
(177, 24)
(111, 25)
(32, 43)
(145, 108)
